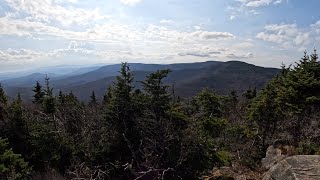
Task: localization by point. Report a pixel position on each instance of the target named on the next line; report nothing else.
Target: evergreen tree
(93, 99)
(19, 99)
(61, 97)
(250, 93)
(107, 97)
(72, 100)
(232, 99)
(49, 100)
(286, 102)
(157, 91)
(12, 166)
(3, 97)
(38, 94)
(18, 128)
(231, 110)
(121, 114)
(122, 99)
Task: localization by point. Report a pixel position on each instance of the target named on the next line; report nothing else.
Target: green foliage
(121, 105)
(61, 98)
(209, 103)
(224, 158)
(3, 97)
(49, 102)
(107, 97)
(159, 99)
(12, 166)
(250, 93)
(286, 102)
(71, 100)
(38, 94)
(49, 148)
(153, 132)
(121, 114)
(214, 126)
(308, 148)
(17, 129)
(93, 99)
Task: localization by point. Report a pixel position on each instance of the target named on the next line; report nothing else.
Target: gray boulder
(273, 156)
(299, 167)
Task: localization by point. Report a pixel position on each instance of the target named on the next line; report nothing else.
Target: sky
(36, 33)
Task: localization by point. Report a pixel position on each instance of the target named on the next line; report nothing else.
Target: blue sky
(35, 33)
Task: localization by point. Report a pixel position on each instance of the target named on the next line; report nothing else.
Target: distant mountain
(113, 70)
(232, 75)
(28, 80)
(188, 78)
(82, 70)
(61, 71)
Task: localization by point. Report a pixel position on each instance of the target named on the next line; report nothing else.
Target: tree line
(151, 133)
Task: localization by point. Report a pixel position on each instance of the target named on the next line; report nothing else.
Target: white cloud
(130, 2)
(21, 55)
(316, 26)
(113, 40)
(51, 11)
(287, 35)
(243, 45)
(118, 40)
(197, 27)
(200, 53)
(258, 3)
(166, 21)
(109, 32)
(212, 35)
(240, 56)
(249, 7)
(277, 2)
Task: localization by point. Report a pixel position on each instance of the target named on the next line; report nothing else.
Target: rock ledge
(295, 167)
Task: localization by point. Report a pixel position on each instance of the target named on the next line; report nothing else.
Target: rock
(295, 167)
(273, 156)
(232, 173)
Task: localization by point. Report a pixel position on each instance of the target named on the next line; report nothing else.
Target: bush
(12, 166)
(308, 149)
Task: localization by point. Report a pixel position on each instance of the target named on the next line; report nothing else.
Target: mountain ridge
(188, 78)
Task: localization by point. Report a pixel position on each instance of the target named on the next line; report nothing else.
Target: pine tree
(93, 99)
(231, 102)
(18, 130)
(250, 93)
(159, 97)
(287, 101)
(233, 97)
(19, 99)
(122, 101)
(38, 94)
(49, 100)
(3, 97)
(107, 97)
(61, 97)
(72, 100)
(12, 165)
(121, 114)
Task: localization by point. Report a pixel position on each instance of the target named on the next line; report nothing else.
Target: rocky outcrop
(273, 156)
(295, 167)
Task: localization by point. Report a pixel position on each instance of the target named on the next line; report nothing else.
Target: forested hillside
(187, 78)
(145, 129)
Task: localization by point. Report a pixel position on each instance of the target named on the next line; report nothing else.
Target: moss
(308, 149)
(224, 158)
